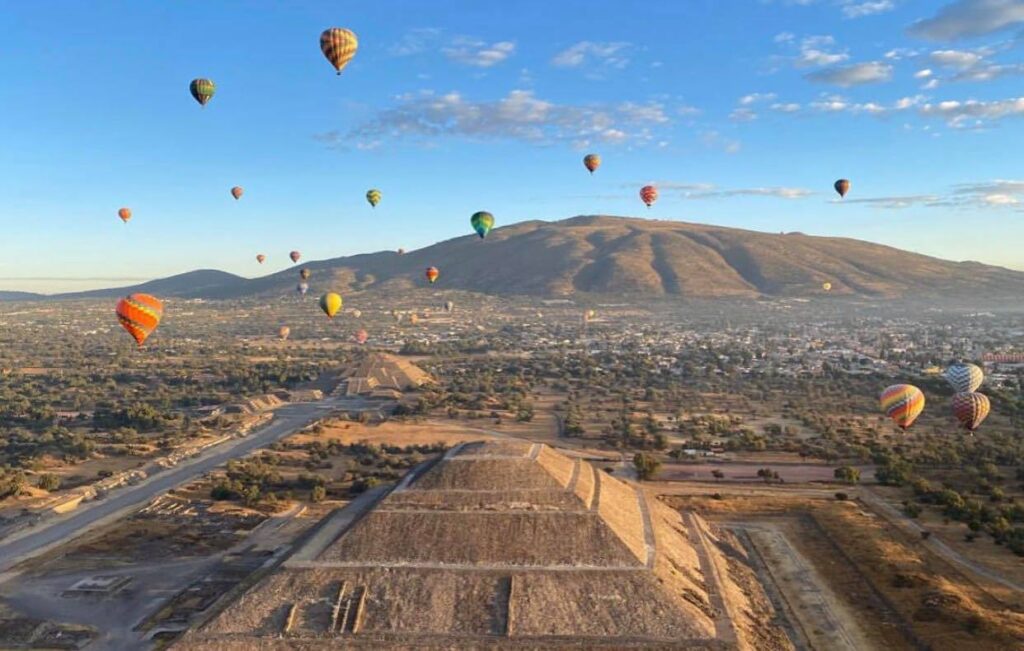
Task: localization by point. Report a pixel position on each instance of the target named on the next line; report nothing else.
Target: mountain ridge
(601, 254)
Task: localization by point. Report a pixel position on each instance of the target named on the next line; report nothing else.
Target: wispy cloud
(858, 74)
(861, 8)
(715, 140)
(520, 115)
(594, 56)
(970, 18)
(473, 52)
(997, 194)
(973, 113)
(712, 191)
(816, 51)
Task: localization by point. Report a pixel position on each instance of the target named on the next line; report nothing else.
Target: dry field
(400, 433)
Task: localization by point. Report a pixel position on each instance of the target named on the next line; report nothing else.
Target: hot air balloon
(304, 274)
(826, 286)
(202, 90)
(295, 255)
(964, 378)
(414, 319)
(260, 258)
(357, 313)
(842, 186)
(302, 288)
(649, 194)
(589, 315)
(339, 46)
(903, 403)
(401, 251)
(591, 162)
(971, 408)
(139, 314)
(237, 192)
(284, 332)
(431, 274)
(373, 196)
(362, 336)
(125, 214)
(330, 303)
(482, 223)
(449, 306)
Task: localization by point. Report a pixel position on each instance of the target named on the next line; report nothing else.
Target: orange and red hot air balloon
(295, 256)
(260, 258)
(431, 274)
(237, 192)
(139, 314)
(649, 194)
(125, 214)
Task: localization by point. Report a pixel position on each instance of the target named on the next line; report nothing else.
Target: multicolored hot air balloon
(903, 403)
(304, 274)
(964, 378)
(971, 408)
(125, 214)
(362, 336)
(284, 332)
(339, 46)
(295, 256)
(826, 286)
(330, 303)
(649, 194)
(373, 196)
(482, 222)
(842, 186)
(202, 90)
(260, 258)
(237, 192)
(591, 162)
(139, 314)
(431, 274)
(302, 288)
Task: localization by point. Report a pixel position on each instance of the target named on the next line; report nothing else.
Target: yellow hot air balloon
(339, 46)
(330, 303)
(373, 196)
(284, 332)
(826, 286)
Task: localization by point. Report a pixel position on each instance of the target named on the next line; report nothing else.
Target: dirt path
(724, 629)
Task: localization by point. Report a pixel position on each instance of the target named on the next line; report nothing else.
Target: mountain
(626, 256)
(19, 296)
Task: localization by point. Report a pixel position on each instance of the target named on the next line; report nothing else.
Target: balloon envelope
(362, 336)
(260, 258)
(139, 314)
(284, 332)
(903, 403)
(482, 222)
(302, 288)
(827, 286)
(295, 255)
(649, 194)
(237, 192)
(330, 303)
(431, 274)
(591, 162)
(373, 196)
(971, 409)
(964, 378)
(842, 186)
(304, 274)
(339, 46)
(202, 90)
(125, 214)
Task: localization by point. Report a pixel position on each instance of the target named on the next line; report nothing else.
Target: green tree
(646, 465)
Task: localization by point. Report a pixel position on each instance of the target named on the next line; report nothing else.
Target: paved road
(51, 532)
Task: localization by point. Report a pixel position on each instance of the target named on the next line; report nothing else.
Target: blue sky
(743, 112)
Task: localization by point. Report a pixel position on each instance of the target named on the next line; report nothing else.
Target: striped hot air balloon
(202, 90)
(125, 214)
(591, 162)
(649, 194)
(971, 408)
(237, 192)
(139, 314)
(330, 303)
(482, 222)
(964, 378)
(431, 274)
(842, 186)
(373, 196)
(903, 403)
(339, 46)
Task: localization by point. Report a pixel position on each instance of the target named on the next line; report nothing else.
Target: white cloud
(715, 140)
(754, 98)
(776, 192)
(473, 52)
(416, 41)
(997, 194)
(857, 74)
(971, 112)
(956, 58)
(859, 9)
(923, 74)
(789, 107)
(520, 115)
(970, 18)
(743, 114)
(816, 51)
(606, 55)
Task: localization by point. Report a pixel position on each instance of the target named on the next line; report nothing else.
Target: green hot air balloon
(373, 196)
(482, 223)
(202, 90)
